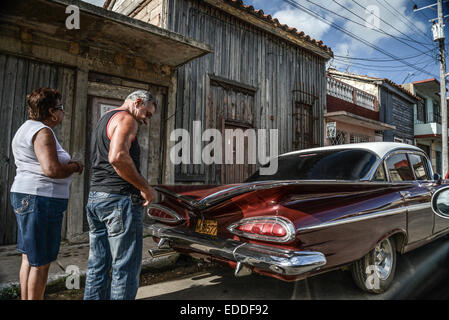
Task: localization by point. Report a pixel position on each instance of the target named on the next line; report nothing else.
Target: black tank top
(104, 178)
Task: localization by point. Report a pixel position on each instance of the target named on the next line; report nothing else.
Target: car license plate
(208, 227)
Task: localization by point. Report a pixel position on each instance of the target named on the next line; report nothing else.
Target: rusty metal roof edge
(239, 4)
(134, 23)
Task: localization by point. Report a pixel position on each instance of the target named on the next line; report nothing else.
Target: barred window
(340, 138)
(357, 138)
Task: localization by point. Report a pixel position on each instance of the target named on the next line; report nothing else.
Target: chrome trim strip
(419, 206)
(359, 217)
(276, 260)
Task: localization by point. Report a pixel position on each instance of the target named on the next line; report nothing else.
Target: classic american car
(354, 205)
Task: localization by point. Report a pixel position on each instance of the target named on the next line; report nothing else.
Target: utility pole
(438, 35)
(348, 68)
(443, 89)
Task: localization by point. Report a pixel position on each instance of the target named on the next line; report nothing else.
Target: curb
(150, 263)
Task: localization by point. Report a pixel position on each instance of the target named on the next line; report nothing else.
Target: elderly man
(118, 193)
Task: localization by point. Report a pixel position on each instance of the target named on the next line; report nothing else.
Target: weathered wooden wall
(36, 49)
(18, 77)
(282, 74)
(403, 118)
(397, 111)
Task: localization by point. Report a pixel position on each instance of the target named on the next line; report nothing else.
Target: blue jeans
(39, 222)
(116, 232)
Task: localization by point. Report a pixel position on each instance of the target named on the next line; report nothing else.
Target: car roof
(379, 148)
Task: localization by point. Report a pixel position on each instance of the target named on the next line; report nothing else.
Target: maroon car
(326, 208)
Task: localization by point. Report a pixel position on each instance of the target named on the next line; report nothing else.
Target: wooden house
(261, 75)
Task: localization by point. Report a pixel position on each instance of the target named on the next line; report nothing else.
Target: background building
(396, 104)
(352, 115)
(427, 118)
(262, 75)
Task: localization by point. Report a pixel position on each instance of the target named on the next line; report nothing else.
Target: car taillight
(272, 228)
(163, 214)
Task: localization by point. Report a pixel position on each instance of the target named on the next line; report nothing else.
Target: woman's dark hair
(39, 101)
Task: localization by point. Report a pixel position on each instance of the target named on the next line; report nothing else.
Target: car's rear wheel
(375, 271)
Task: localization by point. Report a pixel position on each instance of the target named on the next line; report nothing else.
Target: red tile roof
(426, 80)
(268, 18)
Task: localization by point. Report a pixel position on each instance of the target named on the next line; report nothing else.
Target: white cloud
(387, 19)
(302, 21)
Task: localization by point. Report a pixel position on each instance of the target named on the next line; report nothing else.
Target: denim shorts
(39, 222)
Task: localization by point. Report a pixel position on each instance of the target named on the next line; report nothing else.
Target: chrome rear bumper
(272, 259)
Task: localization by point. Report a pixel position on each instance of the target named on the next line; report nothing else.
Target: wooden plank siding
(397, 111)
(18, 77)
(281, 73)
(403, 118)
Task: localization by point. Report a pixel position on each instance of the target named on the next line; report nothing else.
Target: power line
(363, 25)
(384, 21)
(379, 66)
(421, 11)
(415, 72)
(399, 14)
(382, 60)
(352, 35)
(383, 32)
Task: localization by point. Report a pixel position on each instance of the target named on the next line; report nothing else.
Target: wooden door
(303, 121)
(236, 173)
(230, 106)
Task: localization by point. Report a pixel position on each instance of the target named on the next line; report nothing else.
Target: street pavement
(69, 255)
(422, 273)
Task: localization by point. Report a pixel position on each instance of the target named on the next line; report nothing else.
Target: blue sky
(395, 29)
(395, 20)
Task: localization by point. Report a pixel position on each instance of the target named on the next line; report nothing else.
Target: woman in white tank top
(40, 191)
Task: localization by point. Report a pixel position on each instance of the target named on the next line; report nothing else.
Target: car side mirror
(440, 202)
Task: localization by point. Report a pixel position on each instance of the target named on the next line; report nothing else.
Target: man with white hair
(118, 193)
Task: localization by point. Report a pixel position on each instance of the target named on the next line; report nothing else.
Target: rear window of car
(345, 164)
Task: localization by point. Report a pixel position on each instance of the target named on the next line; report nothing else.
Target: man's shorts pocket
(23, 203)
(113, 218)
